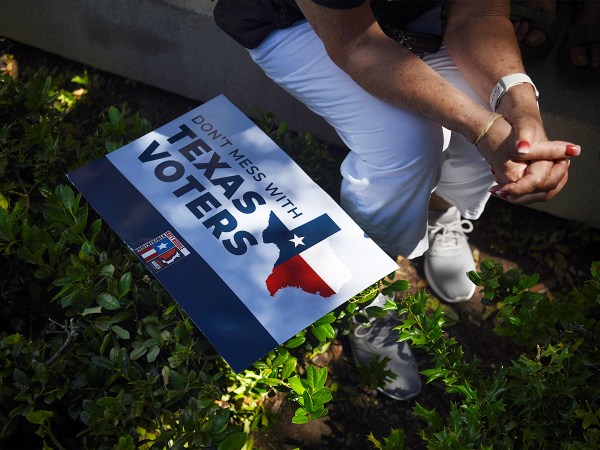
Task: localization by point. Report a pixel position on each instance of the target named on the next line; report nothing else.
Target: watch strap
(507, 82)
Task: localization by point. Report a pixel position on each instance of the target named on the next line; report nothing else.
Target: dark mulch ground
(559, 250)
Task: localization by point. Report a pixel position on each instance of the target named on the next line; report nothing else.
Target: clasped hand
(527, 166)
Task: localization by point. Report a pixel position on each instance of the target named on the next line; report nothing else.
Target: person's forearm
(481, 40)
(355, 43)
(390, 72)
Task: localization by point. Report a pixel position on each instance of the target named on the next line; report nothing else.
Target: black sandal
(583, 35)
(539, 19)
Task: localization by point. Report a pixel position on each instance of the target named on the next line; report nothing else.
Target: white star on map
(297, 241)
(162, 246)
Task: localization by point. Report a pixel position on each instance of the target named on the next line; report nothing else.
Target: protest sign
(249, 246)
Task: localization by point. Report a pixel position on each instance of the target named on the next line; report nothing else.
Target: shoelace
(446, 234)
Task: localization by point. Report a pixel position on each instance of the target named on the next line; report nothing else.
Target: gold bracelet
(486, 128)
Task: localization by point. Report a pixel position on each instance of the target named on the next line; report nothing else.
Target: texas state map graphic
(306, 260)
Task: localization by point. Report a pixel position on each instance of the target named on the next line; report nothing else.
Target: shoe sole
(400, 399)
(436, 290)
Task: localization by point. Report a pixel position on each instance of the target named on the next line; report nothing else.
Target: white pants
(397, 158)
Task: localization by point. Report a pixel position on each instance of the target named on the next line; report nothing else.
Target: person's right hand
(528, 168)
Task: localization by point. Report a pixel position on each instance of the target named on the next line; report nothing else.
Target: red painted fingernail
(523, 147)
(502, 192)
(573, 150)
(498, 192)
(502, 196)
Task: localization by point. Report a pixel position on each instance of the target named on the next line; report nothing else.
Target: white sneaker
(378, 338)
(449, 257)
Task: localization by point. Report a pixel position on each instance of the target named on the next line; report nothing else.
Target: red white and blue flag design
(162, 251)
(305, 260)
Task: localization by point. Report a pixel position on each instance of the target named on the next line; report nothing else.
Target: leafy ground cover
(560, 251)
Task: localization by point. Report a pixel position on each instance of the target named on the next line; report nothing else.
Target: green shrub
(548, 398)
(94, 354)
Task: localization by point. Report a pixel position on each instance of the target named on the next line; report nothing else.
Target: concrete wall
(174, 45)
(171, 44)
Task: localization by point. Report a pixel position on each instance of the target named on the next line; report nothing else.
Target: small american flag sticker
(162, 251)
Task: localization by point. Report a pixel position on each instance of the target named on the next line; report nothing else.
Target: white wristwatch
(505, 83)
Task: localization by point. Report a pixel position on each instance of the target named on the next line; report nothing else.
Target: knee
(416, 147)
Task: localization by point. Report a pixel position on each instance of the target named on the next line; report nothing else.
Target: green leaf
(67, 196)
(296, 385)
(107, 402)
(13, 339)
(271, 381)
(512, 299)
(112, 146)
(323, 332)
(6, 226)
(125, 284)
(153, 353)
(399, 285)
(319, 333)
(105, 342)
(475, 278)
(114, 115)
(20, 377)
(39, 417)
(374, 441)
(126, 443)
(295, 342)
(102, 362)
(166, 374)
(206, 426)
(300, 419)
(83, 80)
(529, 282)
(260, 365)
(102, 323)
(235, 441)
(95, 310)
(121, 332)
(351, 307)
(316, 377)
(107, 271)
(107, 301)
(327, 319)
(137, 353)
(289, 367)
(280, 359)
(590, 419)
(322, 396)
(514, 320)
(434, 373)
(308, 403)
(3, 202)
(95, 228)
(318, 412)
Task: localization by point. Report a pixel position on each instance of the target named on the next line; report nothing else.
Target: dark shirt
(339, 4)
(250, 21)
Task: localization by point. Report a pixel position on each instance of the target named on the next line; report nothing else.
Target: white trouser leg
(396, 156)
